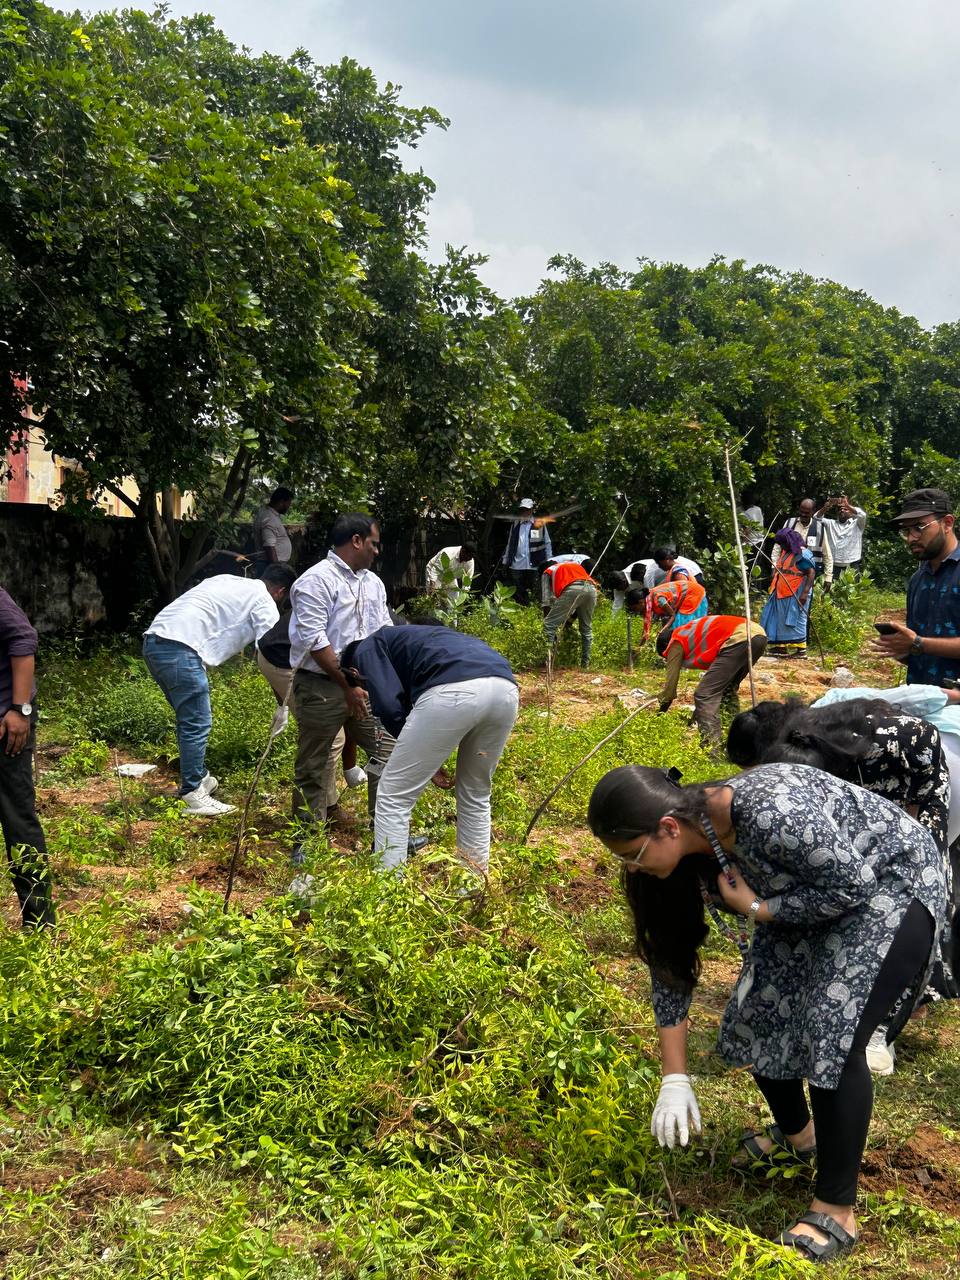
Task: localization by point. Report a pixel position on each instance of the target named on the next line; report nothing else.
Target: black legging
(841, 1116)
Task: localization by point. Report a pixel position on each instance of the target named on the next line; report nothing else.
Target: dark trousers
(23, 835)
(720, 681)
(525, 580)
(841, 1116)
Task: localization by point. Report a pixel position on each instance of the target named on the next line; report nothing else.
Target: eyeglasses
(914, 530)
(632, 861)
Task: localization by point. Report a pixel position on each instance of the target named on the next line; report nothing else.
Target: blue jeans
(179, 672)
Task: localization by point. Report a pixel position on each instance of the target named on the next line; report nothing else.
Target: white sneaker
(354, 777)
(209, 784)
(197, 804)
(881, 1057)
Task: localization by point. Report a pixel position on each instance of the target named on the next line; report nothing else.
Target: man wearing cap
(528, 550)
(929, 643)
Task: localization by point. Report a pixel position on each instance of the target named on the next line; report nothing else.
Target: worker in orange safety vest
(716, 645)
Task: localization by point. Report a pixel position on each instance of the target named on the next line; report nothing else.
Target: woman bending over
(845, 890)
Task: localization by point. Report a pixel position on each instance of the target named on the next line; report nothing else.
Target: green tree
(169, 275)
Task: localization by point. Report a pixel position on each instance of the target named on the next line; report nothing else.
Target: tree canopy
(213, 268)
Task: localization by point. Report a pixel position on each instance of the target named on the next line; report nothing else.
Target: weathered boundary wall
(72, 575)
(69, 574)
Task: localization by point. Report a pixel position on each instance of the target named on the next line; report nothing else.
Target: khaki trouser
(320, 709)
(720, 681)
(279, 680)
(578, 600)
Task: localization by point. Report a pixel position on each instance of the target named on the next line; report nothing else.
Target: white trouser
(471, 717)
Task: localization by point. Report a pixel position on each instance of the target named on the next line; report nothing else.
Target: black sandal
(839, 1241)
(777, 1155)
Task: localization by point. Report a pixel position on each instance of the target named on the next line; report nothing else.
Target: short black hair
(352, 525)
(638, 571)
(663, 639)
(636, 597)
(279, 575)
(617, 581)
(280, 494)
(425, 620)
(468, 551)
(664, 553)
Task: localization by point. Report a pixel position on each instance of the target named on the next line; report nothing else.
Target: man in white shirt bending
(336, 601)
(204, 627)
(447, 570)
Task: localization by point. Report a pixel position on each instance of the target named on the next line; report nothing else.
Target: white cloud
(804, 133)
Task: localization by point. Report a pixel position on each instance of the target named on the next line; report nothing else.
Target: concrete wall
(70, 574)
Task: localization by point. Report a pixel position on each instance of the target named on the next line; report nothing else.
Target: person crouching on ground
(846, 892)
(716, 645)
(208, 624)
(571, 593)
(437, 691)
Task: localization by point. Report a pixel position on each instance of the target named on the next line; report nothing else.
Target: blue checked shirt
(933, 609)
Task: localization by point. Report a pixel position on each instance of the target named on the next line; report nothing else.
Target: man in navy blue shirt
(437, 692)
(929, 643)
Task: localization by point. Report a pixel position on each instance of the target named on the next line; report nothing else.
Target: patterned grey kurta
(837, 867)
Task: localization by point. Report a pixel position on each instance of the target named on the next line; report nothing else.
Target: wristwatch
(917, 645)
(754, 907)
(25, 708)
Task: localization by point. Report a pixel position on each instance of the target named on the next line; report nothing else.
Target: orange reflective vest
(788, 578)
(681, 596)
(703, 639)
(561, 575)
(676, 573)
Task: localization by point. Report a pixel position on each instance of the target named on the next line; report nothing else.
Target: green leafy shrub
(130, 709)
(841, 619)
(86, 758)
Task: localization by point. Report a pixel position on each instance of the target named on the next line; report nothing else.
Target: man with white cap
(528, 550)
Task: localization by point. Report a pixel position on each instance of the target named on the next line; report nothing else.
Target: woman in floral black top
(846, 892)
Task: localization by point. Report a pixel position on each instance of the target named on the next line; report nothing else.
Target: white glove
(676, 1102)
(279, 721)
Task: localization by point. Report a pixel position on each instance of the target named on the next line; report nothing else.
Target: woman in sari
(785, 615)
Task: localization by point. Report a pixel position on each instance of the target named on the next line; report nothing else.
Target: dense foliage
(212, 268)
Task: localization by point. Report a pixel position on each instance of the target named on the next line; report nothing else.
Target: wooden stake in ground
(743, 573)
(247, 799)
(590, 754)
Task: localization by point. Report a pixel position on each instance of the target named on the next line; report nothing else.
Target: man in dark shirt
(22, 833)
(929, 643)
(437, 691)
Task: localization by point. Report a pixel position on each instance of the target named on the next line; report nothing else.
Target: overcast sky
(813, 134)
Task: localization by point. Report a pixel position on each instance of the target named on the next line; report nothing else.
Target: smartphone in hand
(885, 628)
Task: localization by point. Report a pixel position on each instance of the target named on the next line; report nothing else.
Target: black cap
(925, 502)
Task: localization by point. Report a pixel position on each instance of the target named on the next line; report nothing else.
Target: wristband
(917, 645)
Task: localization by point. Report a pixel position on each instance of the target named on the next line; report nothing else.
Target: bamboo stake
(245, 812)
(590, 754)
(616, 530)
(743, 573)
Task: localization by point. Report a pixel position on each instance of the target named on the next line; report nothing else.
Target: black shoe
(415, 844)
